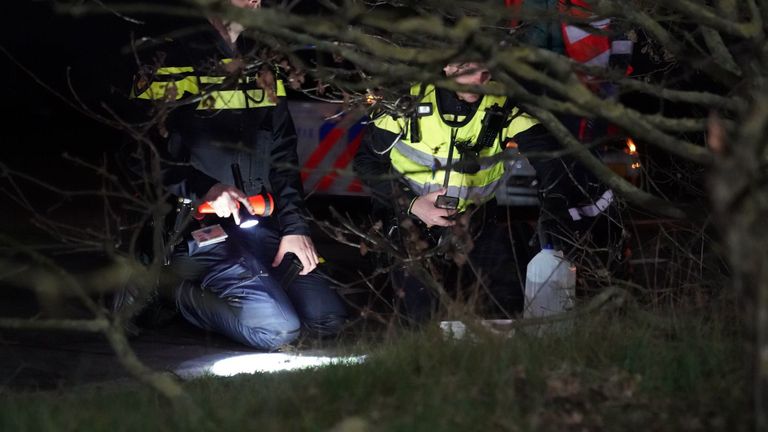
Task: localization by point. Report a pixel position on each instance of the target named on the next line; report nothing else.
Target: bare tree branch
(615, 182)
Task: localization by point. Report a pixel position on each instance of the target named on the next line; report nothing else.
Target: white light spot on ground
(276, 362)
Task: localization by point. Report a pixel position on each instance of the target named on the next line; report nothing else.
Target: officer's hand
(300, 245)
(224, 198)
(424, 208)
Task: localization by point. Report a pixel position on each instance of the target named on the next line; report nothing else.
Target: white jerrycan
(550, 284)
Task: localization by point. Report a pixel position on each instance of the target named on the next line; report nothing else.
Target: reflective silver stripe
(471, 193)
(418, 156)
(592, 210)
(428, 160)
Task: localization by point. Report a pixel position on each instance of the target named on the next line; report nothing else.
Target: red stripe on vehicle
(320, 152)
(341, 162)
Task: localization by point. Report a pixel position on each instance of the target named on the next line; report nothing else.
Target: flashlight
(262, 203)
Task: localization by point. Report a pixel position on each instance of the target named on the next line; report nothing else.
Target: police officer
(216, 103)
(444, 163)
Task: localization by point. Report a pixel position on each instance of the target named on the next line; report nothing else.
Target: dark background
(78, 57)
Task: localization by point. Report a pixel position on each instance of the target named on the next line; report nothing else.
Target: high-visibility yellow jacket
(423, 162)
(209, 89)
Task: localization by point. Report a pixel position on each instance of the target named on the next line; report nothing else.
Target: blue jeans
(230, 288)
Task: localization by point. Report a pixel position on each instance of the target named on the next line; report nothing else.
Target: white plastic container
(453, 329)
(459, 330)
(550, 284)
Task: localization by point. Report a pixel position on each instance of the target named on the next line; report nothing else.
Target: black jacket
(201, 145)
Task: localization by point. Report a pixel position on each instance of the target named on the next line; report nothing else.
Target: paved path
(49, 360)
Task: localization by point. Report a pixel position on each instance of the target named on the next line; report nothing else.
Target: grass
(615, 373)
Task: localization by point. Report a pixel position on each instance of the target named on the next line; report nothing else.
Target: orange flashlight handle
(264, 204)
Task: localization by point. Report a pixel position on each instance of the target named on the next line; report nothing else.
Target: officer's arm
(373, 166)
(552, 173)
(372, 163)
(284, 174)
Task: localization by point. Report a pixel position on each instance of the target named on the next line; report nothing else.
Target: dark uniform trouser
(499, 258)
(231, 288)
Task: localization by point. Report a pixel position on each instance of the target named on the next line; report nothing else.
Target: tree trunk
(739, 185)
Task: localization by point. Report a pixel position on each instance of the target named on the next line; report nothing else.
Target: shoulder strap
(414, 129)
